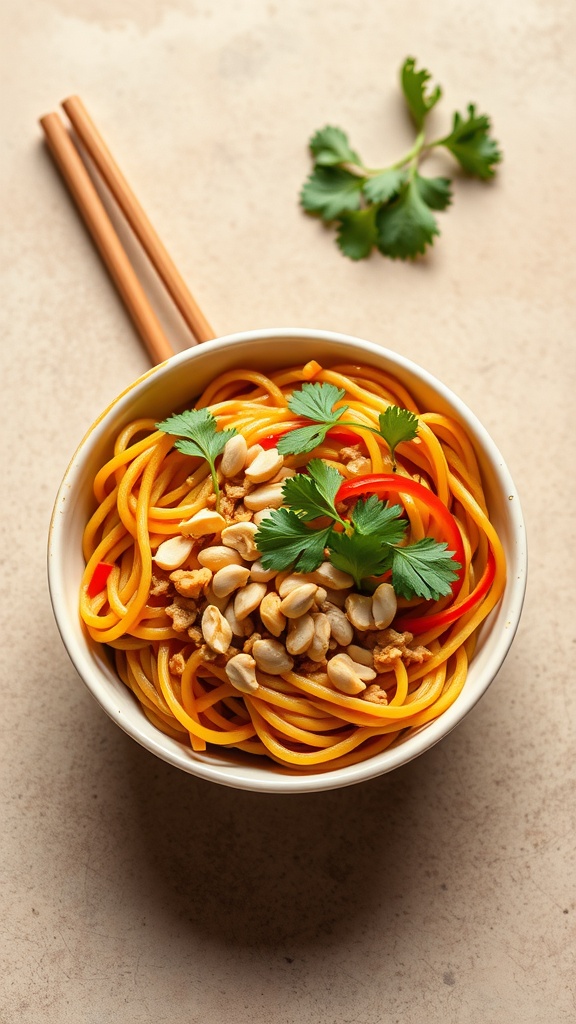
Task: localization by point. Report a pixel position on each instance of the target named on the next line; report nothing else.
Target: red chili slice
(99, 578)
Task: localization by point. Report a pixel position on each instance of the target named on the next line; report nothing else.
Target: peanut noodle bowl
(319, 599)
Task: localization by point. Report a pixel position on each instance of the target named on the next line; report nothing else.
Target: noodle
(297, 718)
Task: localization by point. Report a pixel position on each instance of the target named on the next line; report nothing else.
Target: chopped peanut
(177, 664)
(311, 668)
(351, 452)
(216, 630)
(159, 586)
(358, 466)
(375, 694)
(173, 552)
(191, 582)
(391, 645)
(234, 455)
(227, 507)
(250, 641)
(237, 491)
(195, 634)
(183, 613)
(355, 460)
(242, 514)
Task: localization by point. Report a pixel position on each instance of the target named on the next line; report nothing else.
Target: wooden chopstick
(105, 237)
(111, 174)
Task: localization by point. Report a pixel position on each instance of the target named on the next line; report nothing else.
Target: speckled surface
(444, 891)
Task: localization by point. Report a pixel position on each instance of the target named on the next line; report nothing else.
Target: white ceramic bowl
(179, 381)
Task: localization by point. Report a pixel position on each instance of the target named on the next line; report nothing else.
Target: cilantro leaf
(331, 191)
(470, 142)
(200, 430)
(414, 85)
(197, 434)
(405, 226)
(302, 439)
(317, 401)
(435, 192)
(383, 186)
(314, 402)
(356, 233)
(397, 425)
(330, 146)
(285, 541)
(358, 555)
(424, 569)
(313, 495)
(374, 518)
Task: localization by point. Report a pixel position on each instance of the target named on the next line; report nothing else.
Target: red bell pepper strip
(385, 484)
(422, 623)
(345, 437)
(99, 577)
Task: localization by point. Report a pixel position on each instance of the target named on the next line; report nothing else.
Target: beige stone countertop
(444, 891)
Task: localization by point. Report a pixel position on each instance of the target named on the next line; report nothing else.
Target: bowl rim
(271, 778)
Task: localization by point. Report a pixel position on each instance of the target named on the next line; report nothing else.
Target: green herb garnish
(392, 208)
(425, 568)
(358, 555)
(197, 434)
(314, 402)
(397, 425)
(318, 402)
(371, 516)
(286, 542)
(366, 545)
(313, 496)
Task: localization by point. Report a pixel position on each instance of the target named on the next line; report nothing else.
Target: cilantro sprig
(393, 208)
(396, 426)
(315, 402)
(370, 543)
(425, 568)
(321, 403)
(287, 542)
(314, 496)
(197, 434)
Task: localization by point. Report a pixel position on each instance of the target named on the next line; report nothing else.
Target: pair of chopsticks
(67, 156)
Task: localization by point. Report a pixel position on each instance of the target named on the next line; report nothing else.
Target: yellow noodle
(298, 719)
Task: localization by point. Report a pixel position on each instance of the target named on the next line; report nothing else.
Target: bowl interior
(177, 383)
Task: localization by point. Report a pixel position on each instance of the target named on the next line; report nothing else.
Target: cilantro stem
(359, 426)
(358, 170)
(215, 485)
(412, 156)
